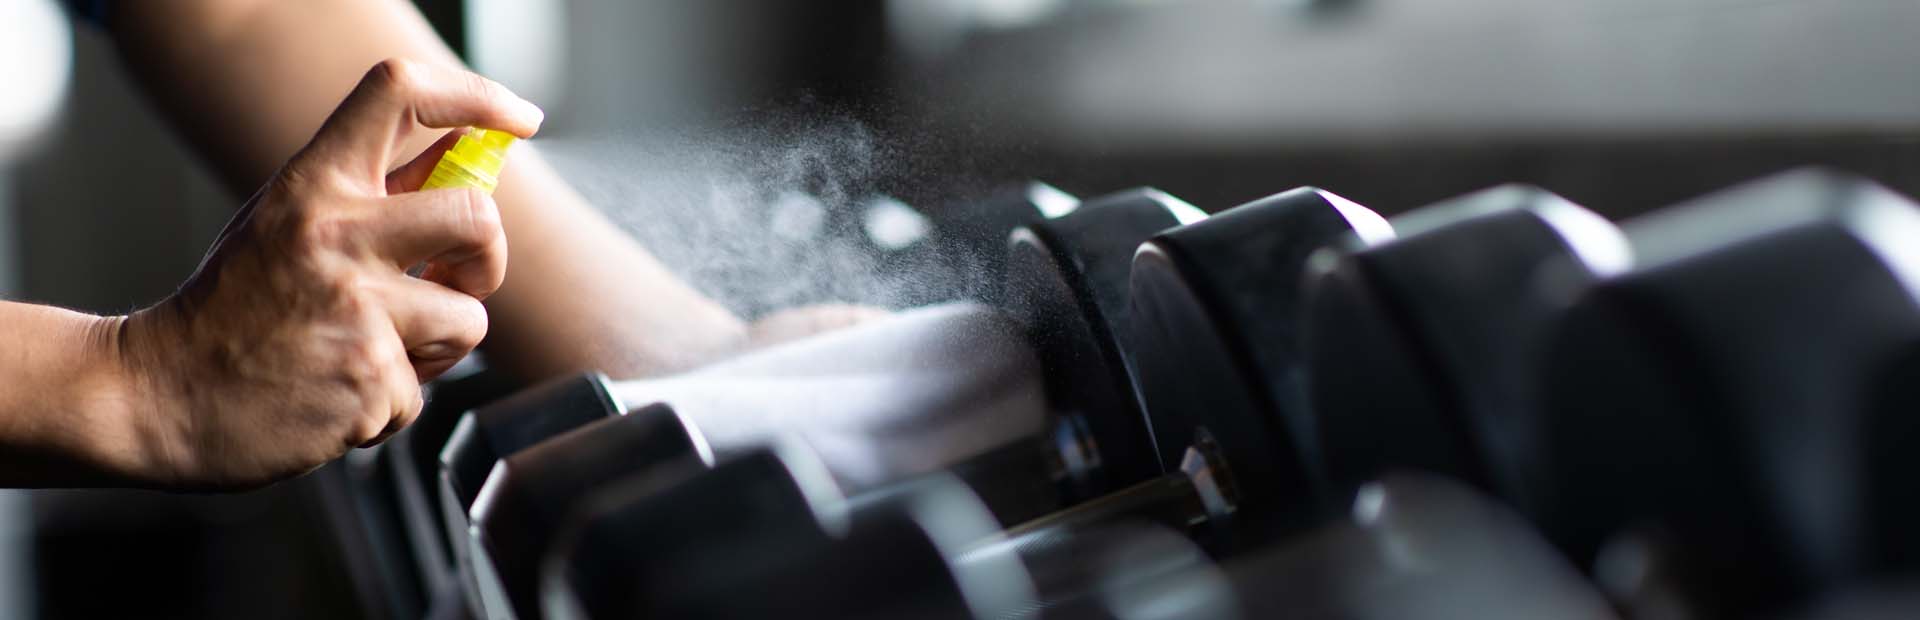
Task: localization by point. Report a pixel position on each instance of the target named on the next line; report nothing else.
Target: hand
(301, 336)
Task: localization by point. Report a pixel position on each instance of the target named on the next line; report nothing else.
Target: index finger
(398, 97)
(457, 229)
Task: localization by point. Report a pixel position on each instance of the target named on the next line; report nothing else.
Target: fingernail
(531, 112)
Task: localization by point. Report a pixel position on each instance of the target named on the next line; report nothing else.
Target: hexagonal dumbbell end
(1067, 282)
(635, 545)
(766, 534)
(527, 496)
(1215, 340)
(1420, 350)
(1737, 412)
(485, 435)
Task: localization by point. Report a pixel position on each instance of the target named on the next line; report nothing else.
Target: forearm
(68, 411)
(248, 81)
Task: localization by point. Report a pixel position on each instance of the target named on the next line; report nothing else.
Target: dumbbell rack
(1501, 405)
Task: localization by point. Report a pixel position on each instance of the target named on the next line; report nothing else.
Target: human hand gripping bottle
(474, 161)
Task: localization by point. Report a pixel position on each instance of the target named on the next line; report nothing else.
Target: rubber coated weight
(1067, 281)
(1416, 546)
(626, 543)
(1742, 402)
(412, 460)
(1419, 350)
(903, 557)
(770, 523)
(485, 435)
(529, 494)
(1215, 343)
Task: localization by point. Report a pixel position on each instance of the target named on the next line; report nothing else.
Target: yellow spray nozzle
(474, 161)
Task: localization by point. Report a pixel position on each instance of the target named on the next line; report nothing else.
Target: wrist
(136, 408)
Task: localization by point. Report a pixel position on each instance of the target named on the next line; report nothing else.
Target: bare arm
(301, 334)
(248, 81)
(65, 416)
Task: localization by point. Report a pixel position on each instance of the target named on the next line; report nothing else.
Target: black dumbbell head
(523, 502)
(485, 435)
(1416, 546)
(1214, 338)
(637, 545)
(1419, 349)
(764, 535)
(1744, 394)
(1067, 281)
(412, 460)
(905, 555)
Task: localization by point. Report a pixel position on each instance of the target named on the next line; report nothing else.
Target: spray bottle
(474, 161)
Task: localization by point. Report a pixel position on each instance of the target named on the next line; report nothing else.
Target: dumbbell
(1733, 419)
(1215, 342)
(614, 570)
(515, 515)
(410, 463)
(1412, 546)
(1356, 354)
(526, 497)
(1067, 278)
(768, 533)
(1419, 351)
(1215, 352)
(501, 428)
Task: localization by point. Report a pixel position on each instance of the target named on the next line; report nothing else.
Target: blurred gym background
(1622, 105)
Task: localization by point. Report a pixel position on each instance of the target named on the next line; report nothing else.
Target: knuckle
(474, 328)
(483, 89)
(363, 363)
(315, 229)
(293, 179)
(393, 75)
(352, 297)
(477, 217)
(312, 172)
(413, 404)
(482, 216)
(367, 426)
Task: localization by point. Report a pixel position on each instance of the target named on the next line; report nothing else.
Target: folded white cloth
(909, 394)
